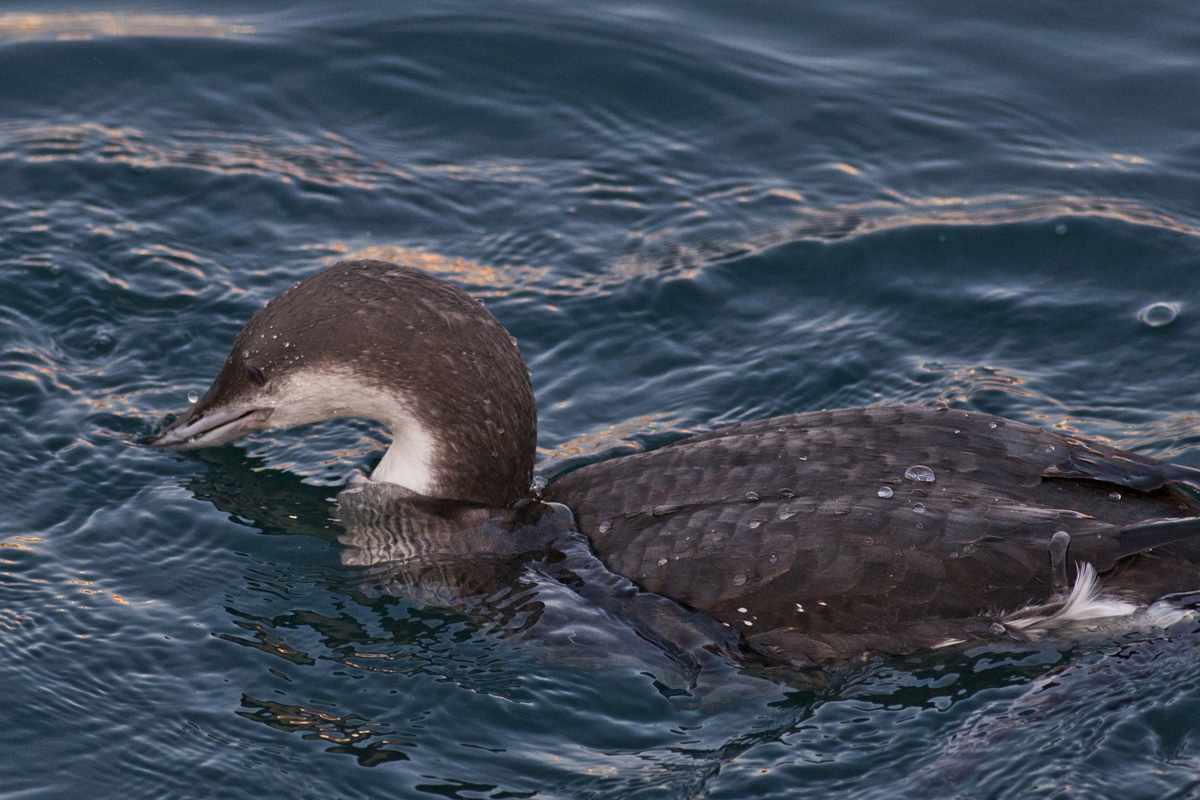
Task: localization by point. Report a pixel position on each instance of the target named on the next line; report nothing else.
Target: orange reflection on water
(71, 27)
(962, 382)
(21, 542)
(501, 280)
(787, 194)
(115, 280)
(618, 435)
(683, 251)
(38, 368)
(181, 260)
(328, 162)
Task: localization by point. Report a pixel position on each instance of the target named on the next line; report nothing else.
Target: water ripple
(83, 26)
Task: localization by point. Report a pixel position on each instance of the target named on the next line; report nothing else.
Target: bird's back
(825, 525)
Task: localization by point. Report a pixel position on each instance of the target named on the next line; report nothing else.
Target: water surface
(690, 215)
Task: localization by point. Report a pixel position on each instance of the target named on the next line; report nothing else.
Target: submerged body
(818, 536)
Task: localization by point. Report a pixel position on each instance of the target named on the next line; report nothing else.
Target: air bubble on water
(884, 491)
(787, 513)
(193, 397)
(1060, 229)
(752, 497)
(1115, 496)
(662, 562)
(605, 526)
(918, 509)
(1157, 315)
(920, 474)
(755, 523)
(739, 580)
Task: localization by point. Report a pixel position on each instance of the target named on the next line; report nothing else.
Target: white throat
(408, 462)
(314, 395)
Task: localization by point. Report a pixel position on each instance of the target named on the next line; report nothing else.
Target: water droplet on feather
(920, 473)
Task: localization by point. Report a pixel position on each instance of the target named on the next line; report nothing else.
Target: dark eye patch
(256, 375)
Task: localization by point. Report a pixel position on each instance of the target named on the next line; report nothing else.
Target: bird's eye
(256, 375)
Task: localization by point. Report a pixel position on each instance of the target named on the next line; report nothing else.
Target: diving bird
(817, 536)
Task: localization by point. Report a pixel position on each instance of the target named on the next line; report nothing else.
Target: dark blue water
(690, 214)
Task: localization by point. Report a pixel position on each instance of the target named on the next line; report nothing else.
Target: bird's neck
(411, 459)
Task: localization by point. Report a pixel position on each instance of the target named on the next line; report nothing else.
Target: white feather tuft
(1087, 608)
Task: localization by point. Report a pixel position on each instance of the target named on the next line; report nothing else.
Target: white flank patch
(1088, 608)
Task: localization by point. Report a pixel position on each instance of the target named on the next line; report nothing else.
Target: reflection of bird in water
(817, 536)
